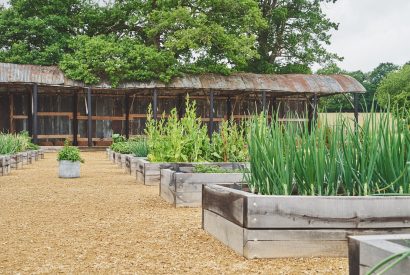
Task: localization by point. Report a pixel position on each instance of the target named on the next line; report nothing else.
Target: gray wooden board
(227, 232)
(300, 212)
(227, 203)
(165, 190)
(281, 243)
(367, 251)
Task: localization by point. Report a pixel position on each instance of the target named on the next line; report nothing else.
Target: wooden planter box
(4, 165)
(149, 173)
(16, 161)
(183, 188)
(365, 252)
(131, 164)
(258, 226)
(123, 160)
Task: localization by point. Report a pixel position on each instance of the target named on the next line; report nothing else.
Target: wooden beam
(89, 118)
(264, 101)
(29, 113)
(154, 104)
(211, 113)
(127, 115)
(356, 109)
(11, 103)
(228, 108)
(75, 118)
(34, 111)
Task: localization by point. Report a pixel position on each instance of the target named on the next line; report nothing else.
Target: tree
(36, 31)
(394, 90)
(294, 37)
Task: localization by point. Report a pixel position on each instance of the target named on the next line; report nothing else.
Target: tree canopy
(394, 90)
(370, 80)
(159, 39)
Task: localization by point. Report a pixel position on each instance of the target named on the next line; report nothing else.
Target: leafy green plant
(69, 153)
(339, 159)
(14, 143)
(202, 168)
(138, 147)
(186, 139)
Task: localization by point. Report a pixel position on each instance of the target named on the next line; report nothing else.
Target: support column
(35, 115)
(356, 108)
(312, 111)
(75, 118)
(29, 113)
(89, 118)
(181, 106)
(229, 108)
(11, 119)
(264, 102)
(155, 105)
(211, 114)
(127, 115)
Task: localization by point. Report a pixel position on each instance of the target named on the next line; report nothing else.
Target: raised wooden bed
(365, 252)
(183, 187)
(149, 173)
(131, 164)
(16, 161)
(4, 165)
(257, 226)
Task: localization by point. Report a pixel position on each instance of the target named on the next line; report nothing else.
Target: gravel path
(105, 223)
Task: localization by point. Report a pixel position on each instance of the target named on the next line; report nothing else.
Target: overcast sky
(370, 32)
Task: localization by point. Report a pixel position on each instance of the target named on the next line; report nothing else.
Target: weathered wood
(367, 251)
(184, 189)
(327, 212)
(4, 165)
(225, 231)
(228, 203)
(297, 226)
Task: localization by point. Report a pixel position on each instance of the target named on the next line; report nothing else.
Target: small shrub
(69, 153)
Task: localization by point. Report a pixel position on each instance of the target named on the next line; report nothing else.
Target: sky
(370, 32)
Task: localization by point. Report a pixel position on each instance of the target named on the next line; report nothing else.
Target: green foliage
(294, 37)
(14, 143)
(287, 159)
(370, 80)
(186, 139)
(138, 40)
(138, 147)
(37, 32)
(213, 169)
(69, 153)
(135, 146)
(394, 90)
(229, 144)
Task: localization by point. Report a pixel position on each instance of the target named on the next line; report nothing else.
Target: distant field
(331, 117)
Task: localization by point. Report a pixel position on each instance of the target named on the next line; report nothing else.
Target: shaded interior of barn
(52, 112)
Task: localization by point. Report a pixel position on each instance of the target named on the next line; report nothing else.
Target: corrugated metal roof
(288, 83)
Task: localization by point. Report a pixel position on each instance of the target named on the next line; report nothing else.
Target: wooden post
(11, 103)
(155, 105)
(264, 101)
(312, 111)
(181, 106)
(29, 113)
(127, 115)
(75, 118)
(89, 118)
(211, 113)
(356, 108)
(35, 110)
(228, 108)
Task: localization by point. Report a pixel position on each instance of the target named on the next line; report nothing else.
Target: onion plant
(340, 159)
(14, 143)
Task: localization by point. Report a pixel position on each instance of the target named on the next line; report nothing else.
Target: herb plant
(69, 153)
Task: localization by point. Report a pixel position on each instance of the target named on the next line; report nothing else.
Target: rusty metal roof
(288, 83)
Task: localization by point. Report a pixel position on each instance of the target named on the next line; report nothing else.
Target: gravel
(104, 222)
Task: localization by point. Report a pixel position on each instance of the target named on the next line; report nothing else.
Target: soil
(104, 222)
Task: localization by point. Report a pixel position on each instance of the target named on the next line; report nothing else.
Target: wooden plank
(192, 182)
(56, 114)
(225, 231)
(188, 199)
(55, 136)
(11, 102)
(294, 249)
(327, 212)
(166, 190)
(225, 202)
(16, 117)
